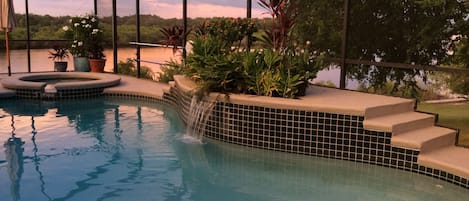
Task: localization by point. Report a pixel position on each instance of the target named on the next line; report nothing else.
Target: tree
(411, 31)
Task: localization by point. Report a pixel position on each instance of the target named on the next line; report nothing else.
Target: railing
(401, 65)
(139, 60)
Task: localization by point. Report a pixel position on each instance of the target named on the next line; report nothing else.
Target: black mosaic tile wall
(28, 93)
(312, 133)
(163, 101)
(79, 93)
(61, 94)
(321, 134)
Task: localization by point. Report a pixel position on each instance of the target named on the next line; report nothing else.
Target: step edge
(427, 161)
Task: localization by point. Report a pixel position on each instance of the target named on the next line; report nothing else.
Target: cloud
(198, 10)
(163, 8)
(55, 8)
(232, 3)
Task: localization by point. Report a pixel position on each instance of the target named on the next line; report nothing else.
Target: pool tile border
(321, 134)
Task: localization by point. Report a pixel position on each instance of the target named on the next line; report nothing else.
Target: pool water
(106, 149)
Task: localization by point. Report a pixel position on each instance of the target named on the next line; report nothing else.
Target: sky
(162, 8)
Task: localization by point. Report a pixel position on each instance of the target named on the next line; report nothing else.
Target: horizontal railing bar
(152, 62)
(402, 65)
(40, 40)
(152, 45)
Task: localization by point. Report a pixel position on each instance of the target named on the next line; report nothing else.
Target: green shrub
(170, 69)
(220, 63)
(128, 68)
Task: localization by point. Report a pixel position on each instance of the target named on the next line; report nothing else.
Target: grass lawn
(455, 115)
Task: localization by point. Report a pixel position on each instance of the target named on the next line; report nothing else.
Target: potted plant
(82, 31)
(80, 58)
(58, 56)
(96, 51)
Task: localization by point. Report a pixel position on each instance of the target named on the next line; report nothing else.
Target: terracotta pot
(97, 65)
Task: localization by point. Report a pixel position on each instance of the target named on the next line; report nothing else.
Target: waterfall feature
(199, 113)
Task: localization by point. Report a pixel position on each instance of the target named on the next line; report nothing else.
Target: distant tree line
(46, 27)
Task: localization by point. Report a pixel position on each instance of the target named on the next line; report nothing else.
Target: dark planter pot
(302, 88)
(97, 65)
(81, 64)
(60, 66)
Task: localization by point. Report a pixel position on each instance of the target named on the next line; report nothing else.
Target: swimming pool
(106, 149)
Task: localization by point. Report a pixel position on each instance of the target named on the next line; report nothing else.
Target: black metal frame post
(343, 64)
(248, 8)
(114, 34)
(249, 16)
(184, 28)
(28, 36)
(96, 7)
(137, 5)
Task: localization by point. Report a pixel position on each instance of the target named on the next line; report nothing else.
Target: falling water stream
(199, 113)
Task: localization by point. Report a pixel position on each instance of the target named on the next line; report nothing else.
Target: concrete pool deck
(410, 129)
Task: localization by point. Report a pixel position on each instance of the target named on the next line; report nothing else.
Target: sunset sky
(163, 8)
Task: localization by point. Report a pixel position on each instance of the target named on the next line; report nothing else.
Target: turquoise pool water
(106, 149)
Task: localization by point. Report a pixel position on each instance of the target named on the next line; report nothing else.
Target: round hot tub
(60, 84)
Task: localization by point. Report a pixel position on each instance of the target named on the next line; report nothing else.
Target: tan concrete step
(452, 159)
(425, 139)
(400, 123)
(405, 105)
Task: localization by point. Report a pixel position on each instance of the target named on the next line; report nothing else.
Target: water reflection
(14, 157)
(103, 126)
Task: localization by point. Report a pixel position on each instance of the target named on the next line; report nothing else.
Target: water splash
(199, 113)
(187, 138)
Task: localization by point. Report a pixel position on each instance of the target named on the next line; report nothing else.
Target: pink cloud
(199, 10)
(161, 8)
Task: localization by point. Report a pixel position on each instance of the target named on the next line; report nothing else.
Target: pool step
(400, 123)
(425, 139)
(390, 109)
(452, 159)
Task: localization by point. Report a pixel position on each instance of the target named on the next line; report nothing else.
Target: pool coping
(318, 98)
(99, 80)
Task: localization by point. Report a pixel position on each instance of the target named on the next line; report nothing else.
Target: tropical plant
(283, 15)
(295, 63)
(59, 53)
(174, 36)
(214, 66)
(220, 62)
(168, 71)
(233, 31)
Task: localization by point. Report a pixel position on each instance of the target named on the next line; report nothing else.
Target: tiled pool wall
(312, 133)
(60, 94)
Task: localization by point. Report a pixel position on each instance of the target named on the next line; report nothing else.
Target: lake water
(41, 63)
